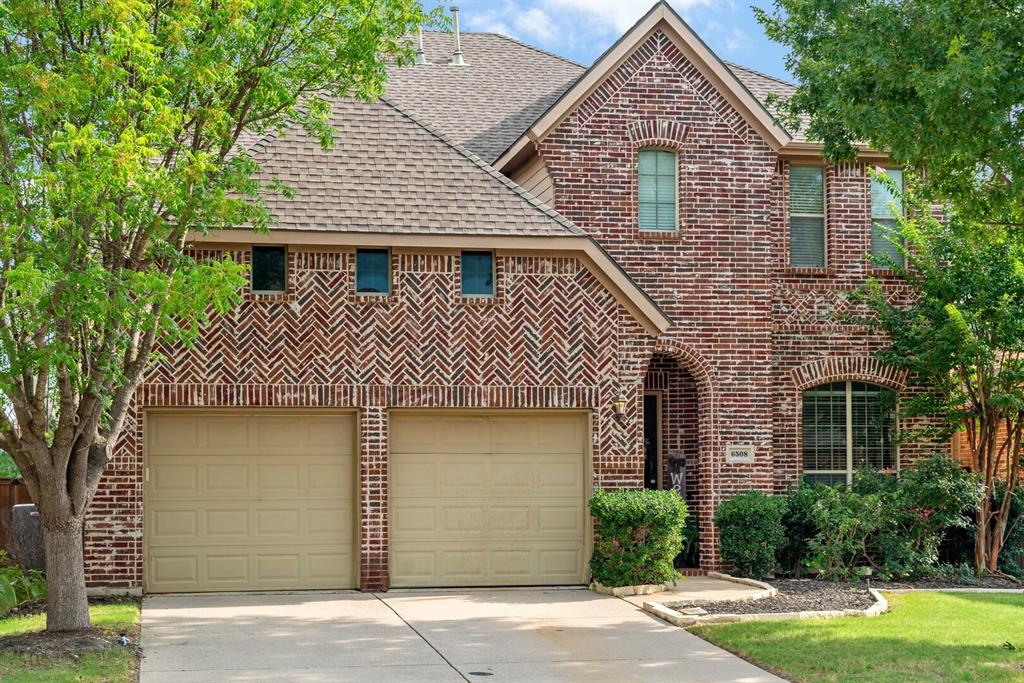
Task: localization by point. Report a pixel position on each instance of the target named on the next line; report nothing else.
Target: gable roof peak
(660, 16)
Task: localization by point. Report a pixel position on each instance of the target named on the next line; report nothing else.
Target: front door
(652, 440)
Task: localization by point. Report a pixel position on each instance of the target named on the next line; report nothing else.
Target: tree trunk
(67, 608)
(981, 536)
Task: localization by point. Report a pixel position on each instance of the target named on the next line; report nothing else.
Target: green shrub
(689, 554)
(926, 502)
(846, 522)
(751, 532)
(18, 586)
(892, 524)
(638, 533)
(800, 527)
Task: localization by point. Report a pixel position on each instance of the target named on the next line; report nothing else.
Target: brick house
(512, 281)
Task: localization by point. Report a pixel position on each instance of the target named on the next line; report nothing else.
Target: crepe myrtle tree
(118, 128)
(962, 339)
(937, 83)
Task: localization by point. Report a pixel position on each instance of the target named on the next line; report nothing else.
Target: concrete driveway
(480, 635)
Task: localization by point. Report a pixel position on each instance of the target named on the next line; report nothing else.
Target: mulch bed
(980, 582)
(795, 595)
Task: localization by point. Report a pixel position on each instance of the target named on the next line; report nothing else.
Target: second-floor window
(884, 207)
(806, 217)
(658, 190)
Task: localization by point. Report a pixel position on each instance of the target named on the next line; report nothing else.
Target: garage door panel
(492, 505)
(279, 517)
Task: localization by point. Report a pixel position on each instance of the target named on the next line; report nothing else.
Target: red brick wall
(753, 329)
(713, 276)
(553, 338)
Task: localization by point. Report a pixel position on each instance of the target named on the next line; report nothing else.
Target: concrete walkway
(480, 635)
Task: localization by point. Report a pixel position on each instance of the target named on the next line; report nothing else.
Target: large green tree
(962, 339)
(937, 83)
(118, 128)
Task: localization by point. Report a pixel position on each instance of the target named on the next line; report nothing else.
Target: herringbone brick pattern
(553, 337)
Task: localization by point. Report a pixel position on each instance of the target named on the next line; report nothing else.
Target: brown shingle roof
(761, 86)
(504, 87)
(486, 104)
(390, 173)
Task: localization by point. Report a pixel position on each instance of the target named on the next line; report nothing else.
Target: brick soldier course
(586, 304)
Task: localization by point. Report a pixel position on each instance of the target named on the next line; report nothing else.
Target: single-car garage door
(249, 501)
(488, 499)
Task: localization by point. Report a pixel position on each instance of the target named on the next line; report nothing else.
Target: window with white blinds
(848, 426)
(658, 190)
(884, 204)
(806, 217)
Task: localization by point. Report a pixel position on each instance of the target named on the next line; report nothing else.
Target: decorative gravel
(795, 595)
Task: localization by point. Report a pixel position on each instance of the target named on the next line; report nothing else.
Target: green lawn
(924, 637)
(115, 666)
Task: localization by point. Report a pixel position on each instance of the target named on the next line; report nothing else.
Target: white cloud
(615, 15)
(587, 27)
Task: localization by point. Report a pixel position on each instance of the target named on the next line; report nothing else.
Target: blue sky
(583, 29)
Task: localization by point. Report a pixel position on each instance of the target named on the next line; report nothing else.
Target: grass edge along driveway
(116, 665)
(923, 637)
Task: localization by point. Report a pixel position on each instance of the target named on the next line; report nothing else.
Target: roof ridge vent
(457, 55)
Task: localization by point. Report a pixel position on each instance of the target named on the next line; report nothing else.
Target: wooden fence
(12, 492)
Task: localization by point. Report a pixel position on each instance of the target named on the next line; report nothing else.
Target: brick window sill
(479, 300)
(373, 299)
(809, 272)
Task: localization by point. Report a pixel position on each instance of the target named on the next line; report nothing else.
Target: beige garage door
(488, 499)
(249, 501)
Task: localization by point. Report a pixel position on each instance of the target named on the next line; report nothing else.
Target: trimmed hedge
(638, 533)
(751, 532)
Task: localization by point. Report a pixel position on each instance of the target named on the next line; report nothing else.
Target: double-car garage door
(265, 500)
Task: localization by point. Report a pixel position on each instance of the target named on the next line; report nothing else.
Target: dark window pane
(477, 273)
(373, 271)
(268, 269)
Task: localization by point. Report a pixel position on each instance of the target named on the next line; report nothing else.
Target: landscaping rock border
(626, 591)
(693, 617)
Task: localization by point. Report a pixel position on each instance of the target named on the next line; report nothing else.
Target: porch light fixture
(619, 408)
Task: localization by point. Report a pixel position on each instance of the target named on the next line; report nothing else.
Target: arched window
(658, 189)
(848, 426)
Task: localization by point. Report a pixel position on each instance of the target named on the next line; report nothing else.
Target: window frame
(462, 274)
(850, 471)
(878, 219)
(389, 272)
(675, 196)
(252, 268)
(823, 216)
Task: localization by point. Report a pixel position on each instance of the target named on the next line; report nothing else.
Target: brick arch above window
(664, 133)
(843, 368)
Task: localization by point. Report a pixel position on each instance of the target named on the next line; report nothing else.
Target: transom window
(883, 217)
(848, 426)
(806, 217)
(269, 269)
(373, 271)
(658, 190)
(477, 273)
